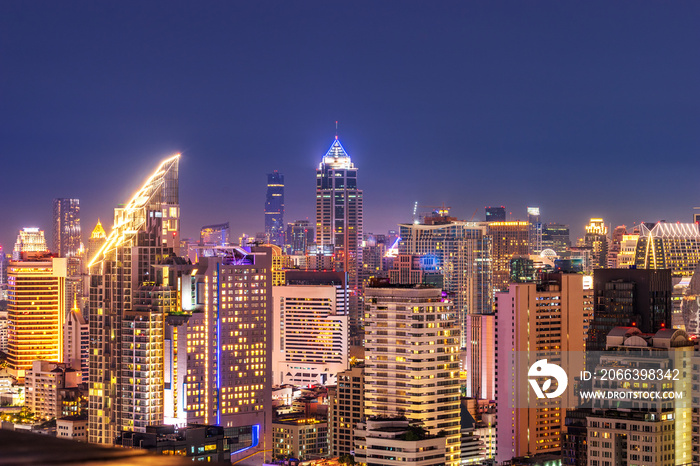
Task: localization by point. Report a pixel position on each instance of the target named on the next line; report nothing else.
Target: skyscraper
(68, 243)
(274, 209)
(509, 239)
(674, 246)
(76, 342)
(534, 230)
(412, 360)
(555, 236)
(596, 238)
(339, 219)
(29, 240)
(300, 235)
(96, 240)
(36, 311)
(128, 303)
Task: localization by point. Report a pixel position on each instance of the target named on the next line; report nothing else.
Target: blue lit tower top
(336, 157)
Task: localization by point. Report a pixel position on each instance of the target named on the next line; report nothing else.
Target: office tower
(522, 270)
(36, 311)
(274, 209)
(45, 385)
(97, 239)
(408, 269)
(304, 439)
(674, 246)
(412, 360)
(395, 441)
(4, 326)
(29, 240)
(339, 220)
(654, 431)
(310, 336)
(596, 238)
(299, 236)
(551, 316)
(215, 235)
(68, 243)
(4, 259)
(615, 248)
(374, 250)
(461, 252)
(555, 236)
(128, 304)
(481, 357)
(627, 298)
(496, 214)
(509, 239)
(690, 304)
(534, 230)
(346, 406)
(76, 340)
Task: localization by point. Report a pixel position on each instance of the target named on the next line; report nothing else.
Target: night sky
(582, 108)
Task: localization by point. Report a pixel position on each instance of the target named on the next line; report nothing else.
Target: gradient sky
(582, 108)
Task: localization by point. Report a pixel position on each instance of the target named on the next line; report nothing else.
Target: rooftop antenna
(336, 130)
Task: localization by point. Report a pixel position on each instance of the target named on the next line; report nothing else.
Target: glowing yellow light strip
(130, 207)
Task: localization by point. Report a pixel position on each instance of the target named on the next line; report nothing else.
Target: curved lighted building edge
(255, 442)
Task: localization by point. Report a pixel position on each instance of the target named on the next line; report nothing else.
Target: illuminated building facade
(214, 235)
(645, 431)
(310, 337)
(628, 251)
(412, 360)
(97, 239)
(674, 246)
(615, 248)
(509, 239)
(339, 214)
(68, 243)
(346, 407)
(551, 316)
(534, 230)
(218, 348)
(302, 438)
(461, 252)
(555, 236)
(395, 442)
(128, 305)
(300, 235)
(29, 240)
(274, 209)
(36, 311)
(596, 238)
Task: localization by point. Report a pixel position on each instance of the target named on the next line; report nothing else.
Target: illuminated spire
(336, 150)
(98, 232)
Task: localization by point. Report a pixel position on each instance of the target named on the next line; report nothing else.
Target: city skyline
(578, 124)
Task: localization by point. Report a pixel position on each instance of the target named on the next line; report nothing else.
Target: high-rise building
(655, 430)
(45, 383)
(29, 240)
(68, 243)
(299, 236)
(534, 230)
(274, 209)
(509, 239)
(214, 235)
(36, 311)
(674, 246)
(128, 304)
(551, 316)
(461, 252)
(412, 360)
(67, 240)
(496, 214)
(555, 236)
(615, 248)
(97, 239)
(628, 250)
(339, 214)
(310, 336)
(629, 298)
(346, 407)
(395, 441)
(76, 341)
(596, 237)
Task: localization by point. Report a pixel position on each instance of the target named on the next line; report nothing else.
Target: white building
(72, 427)
(76, 340)
(392, 442)
(43, 384)
(310, 340)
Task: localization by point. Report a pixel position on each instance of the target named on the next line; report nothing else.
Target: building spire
(336, 130)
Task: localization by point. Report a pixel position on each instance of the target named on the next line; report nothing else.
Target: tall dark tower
(67, 242)
(339, 219)
(274, 209)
